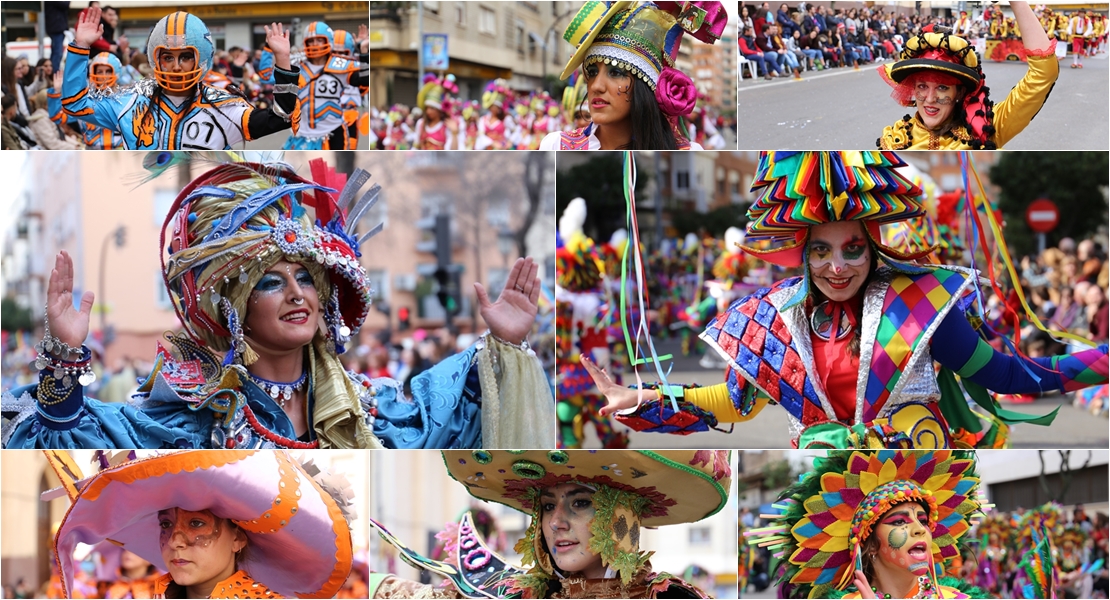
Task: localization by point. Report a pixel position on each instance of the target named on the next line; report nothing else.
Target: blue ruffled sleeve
(445, 411)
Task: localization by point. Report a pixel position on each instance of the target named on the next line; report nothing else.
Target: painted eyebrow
(901, 513)
(570, 493)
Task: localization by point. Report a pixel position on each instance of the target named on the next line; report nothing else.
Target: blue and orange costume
(327, 94)
(886, 392)
(174, 111)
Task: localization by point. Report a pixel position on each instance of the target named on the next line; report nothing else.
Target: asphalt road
(1073, 428)
(842, 109)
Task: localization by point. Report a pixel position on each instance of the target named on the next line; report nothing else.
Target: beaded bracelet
(523, 346)
(49, 394)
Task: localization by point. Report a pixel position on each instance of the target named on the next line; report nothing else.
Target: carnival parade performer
(262, 267)
(848, 348)
(1081, 32)
(875, 524)
(584, 537)
(121, 573)
(175, 110)
(627, 52)
(329, 87)
(438, 128)
(940, 74)
(219, 524)
(582, 316)
(496, 128)
(104, 71)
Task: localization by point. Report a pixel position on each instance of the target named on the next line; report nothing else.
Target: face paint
(187, 527)
(567, 510)
(839, 259)
(942, 95)
(905, 542)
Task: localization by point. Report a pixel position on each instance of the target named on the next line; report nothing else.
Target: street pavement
(841, 109)
(1073, 428)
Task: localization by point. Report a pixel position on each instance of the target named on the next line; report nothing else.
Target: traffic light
(121, 236)
(403, 317)
(446, 275)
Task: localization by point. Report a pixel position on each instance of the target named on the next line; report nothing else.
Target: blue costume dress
(179, 406)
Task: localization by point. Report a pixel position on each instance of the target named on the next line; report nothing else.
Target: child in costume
(175, 110)
(221, 524)
(263, 268)
(627, 52)
(940, 74)
(587, 510)
(496, 128)
(329, 86)
(104, 70)
(874, 524)
(848, 349)
(437, 129)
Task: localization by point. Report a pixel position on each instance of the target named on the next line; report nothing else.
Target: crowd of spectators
(808, 36)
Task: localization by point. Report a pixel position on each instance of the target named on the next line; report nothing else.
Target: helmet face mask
(319, 39)
(101, 62)
(180, 31)
(177, 81)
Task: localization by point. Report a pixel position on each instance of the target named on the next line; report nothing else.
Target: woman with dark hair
(940, 75)
(637, 97)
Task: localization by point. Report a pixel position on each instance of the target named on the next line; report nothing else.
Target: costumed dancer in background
(587, 510)
(328, 87)
(581, 317)
(263, 268)
(437, 129)
(347, 46)
(104, 70)
(496, 128)
(175, 110)
(576, 113)
(219, 524)
(875, 524)
(940, 74)
(397, 131)
(996, 535)
(470, 114)
(123, 574)
(821, 345)
(1073, 561)
(1079, 29)
(627, 52)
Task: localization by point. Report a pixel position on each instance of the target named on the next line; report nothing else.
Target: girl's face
(905, 541)
(197, 547)
(935, 102)
(432, 114)
(283, 311)
(567, 511)
(129, 560)
(177, 61)
(610, 93)
(839, 258)
(22, 67)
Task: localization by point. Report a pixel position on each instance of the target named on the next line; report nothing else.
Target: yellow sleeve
(1026, 99)
(716, 400)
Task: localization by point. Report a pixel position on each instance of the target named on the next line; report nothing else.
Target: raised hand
(363, 33)
(58, 77)
(863, 585)
(617, 396)
(514, 313)
(277, 38)
(69, 325)
(89, 28)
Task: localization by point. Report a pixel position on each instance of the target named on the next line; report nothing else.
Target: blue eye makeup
(274, 282)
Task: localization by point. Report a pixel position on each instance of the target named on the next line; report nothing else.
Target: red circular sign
(1042, 215)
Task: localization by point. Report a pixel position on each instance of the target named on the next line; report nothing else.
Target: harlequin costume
(825, 518)
(582, 317)
(156, 114)
(434, 94)
(295, 516)
(642, 38)
(224, 230)
(325, 94)
(632, 490)
(910, 315)
(977, 122)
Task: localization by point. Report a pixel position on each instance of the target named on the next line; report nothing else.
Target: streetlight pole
(420, 44)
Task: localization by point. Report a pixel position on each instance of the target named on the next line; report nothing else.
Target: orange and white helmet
(316, 30)
(180, 31)
(105, 81)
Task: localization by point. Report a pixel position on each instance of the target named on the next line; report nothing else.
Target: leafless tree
(1066, 474)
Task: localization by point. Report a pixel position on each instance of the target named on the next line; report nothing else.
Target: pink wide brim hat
(299, 540)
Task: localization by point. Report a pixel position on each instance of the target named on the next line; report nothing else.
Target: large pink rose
(675, 93)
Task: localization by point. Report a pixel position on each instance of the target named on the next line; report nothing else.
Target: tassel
(249, 355)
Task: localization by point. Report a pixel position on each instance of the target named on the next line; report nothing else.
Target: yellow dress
(1011, 116)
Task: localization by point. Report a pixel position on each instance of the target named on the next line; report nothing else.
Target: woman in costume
(328, 86)
(940, 74)
(175, 110)
(875, 524)
(496, 128)
(996, 537)
(437, 129)
(263, 268)
(587, 510)
(848, 348)
(627, 52)
(220, 524)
